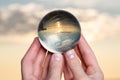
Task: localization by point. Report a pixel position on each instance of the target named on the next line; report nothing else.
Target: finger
(33, 50)
(55, 67)
(67, 72)
(38, 63)
(46, 66)
(74, 63)
(27, 61)
(87, 54)
(79, 55)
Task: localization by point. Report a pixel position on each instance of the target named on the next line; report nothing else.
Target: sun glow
(58, 24)
(59, 29)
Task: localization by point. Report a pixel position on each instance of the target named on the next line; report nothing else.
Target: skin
(77, 64)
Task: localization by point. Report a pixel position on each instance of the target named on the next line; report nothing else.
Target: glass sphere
(59, 31)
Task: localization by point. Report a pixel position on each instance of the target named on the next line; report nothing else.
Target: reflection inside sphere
(59, 31)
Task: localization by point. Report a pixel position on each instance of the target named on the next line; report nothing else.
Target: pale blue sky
(111, 6)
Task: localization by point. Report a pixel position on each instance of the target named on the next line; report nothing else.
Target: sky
(99, 20)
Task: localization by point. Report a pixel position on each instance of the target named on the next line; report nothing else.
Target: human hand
(36, 65)
(81, 63)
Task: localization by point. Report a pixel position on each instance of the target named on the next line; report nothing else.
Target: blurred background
(99, 19)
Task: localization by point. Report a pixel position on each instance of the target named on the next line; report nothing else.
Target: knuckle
(101, 75)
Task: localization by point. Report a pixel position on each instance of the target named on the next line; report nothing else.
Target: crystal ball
(59, 31)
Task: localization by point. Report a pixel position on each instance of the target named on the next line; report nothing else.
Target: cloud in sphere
(22, 19)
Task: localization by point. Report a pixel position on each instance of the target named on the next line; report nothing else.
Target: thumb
(55, 67)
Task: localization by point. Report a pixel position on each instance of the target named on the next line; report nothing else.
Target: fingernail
(70, 54)
(57, 57)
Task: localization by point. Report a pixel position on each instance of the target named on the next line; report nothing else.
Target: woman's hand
(36, 65)
(81, 64)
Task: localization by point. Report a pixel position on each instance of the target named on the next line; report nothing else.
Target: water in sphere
(59, 31)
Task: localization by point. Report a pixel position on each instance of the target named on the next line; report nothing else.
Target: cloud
(95, 25)
(18, 18)
(68, 3)
(22, 19)
(101, 5)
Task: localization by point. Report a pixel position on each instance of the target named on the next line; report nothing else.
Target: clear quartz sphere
(59, 31)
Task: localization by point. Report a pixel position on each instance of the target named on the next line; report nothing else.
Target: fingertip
(56, 61)
(36, 40)
(70, 54)
(56, 57)
(35, 43)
